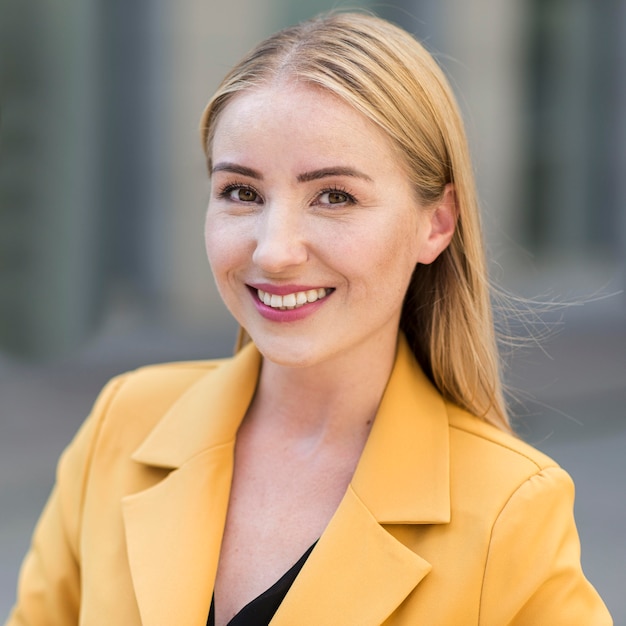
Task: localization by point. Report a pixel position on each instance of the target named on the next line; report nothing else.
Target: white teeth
(292, 300)
(289, 300)
(312, 295)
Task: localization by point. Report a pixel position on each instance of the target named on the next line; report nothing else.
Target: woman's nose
(280, 242)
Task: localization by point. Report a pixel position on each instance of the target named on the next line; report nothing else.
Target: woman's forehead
(297, 114)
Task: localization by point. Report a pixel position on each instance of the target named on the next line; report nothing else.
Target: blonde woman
(353, 463)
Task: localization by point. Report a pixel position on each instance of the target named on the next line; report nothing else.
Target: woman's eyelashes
(334, 197)
(238, 192)
(243, 193)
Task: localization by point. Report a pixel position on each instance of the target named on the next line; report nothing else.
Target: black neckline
(260, 610)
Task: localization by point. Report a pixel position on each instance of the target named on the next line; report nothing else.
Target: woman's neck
(327, 402)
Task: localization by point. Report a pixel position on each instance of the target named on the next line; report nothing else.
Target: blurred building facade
(103, 183)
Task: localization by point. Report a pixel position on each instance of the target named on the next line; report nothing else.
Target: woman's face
(313, 229)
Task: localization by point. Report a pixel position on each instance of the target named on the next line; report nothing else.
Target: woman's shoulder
(161, 379)
(493, 464)
(496, 478)
(132, 403)
(467, 430)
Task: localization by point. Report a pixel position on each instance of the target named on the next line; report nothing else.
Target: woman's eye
(335, 197)
(243, 194)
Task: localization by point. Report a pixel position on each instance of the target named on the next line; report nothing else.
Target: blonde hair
(384, 73)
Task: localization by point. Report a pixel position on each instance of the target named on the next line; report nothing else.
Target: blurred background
(103, 189)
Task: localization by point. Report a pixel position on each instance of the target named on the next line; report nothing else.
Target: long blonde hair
(384, 73)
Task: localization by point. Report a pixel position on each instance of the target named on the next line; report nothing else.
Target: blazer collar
(403, 475)
(358, 567)
(207, 415)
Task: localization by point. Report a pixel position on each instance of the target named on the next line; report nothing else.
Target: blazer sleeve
(49, 582)
(533, 575)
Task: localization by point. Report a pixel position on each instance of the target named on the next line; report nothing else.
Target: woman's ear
(439, 223)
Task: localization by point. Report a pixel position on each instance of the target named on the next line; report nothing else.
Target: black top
(260, 611)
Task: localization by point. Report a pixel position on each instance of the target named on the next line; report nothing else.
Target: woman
(352, 464)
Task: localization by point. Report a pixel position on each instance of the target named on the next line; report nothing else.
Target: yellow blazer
(447, 521)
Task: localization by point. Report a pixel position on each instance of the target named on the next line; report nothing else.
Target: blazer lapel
(359, 573)
(174, 528)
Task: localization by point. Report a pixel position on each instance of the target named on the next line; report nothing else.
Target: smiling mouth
(292, 300)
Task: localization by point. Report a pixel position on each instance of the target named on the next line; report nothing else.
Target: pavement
(570, 401)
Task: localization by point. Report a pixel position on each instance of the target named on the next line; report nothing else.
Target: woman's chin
(289, 352)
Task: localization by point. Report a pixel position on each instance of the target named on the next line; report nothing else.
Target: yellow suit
(447, 521)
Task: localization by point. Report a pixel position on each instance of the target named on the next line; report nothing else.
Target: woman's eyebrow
(305, 177)
(331, 171)
(233, 168)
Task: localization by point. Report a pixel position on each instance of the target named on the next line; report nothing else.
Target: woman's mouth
(292, 300)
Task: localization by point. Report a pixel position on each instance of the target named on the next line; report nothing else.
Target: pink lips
(288, 315)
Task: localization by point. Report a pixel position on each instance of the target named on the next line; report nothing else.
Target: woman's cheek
(223, 239)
